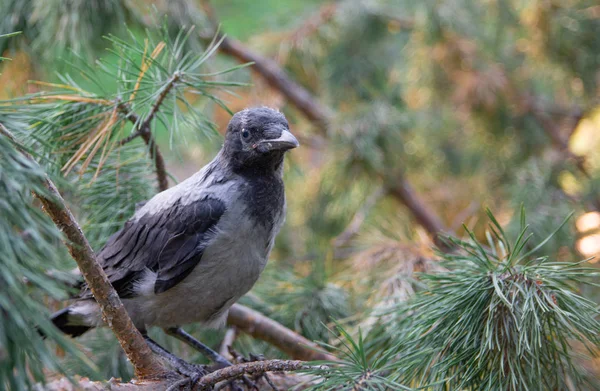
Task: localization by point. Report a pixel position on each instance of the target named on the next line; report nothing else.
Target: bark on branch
(259, 326)
(143, 131)
(250, 368)
(113, 312)
(278, 79)
(269, 70)
(403, 192)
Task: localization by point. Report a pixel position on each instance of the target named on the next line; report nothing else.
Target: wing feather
(170, 243)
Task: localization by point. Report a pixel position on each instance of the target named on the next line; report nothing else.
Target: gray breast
(229, 266)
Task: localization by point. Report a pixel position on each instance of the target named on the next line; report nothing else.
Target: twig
(159, 161)
(228, 340)
(403, 191)
(113, 312)
(271, 72)
(259, 326)
(359, 218)
(143, 130)
(250, 368)
(145, 126)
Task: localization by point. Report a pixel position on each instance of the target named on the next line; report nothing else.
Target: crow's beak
(282, 143)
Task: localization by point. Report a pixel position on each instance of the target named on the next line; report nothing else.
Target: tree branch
(560, 141)
(278, 79)
(358, 219)
(228, 340)
(403, 192)
(113, 312)
(259, 326)
(159, 161)
(271, 72)
(143, 130)
(250, 368)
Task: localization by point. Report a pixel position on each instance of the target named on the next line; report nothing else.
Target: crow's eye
(245, 134)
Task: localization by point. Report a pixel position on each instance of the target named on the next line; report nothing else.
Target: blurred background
(413, 118)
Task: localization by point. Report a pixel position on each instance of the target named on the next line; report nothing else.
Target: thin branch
(359, 218)
(143, 130)
(113, 312)
(250, 368)
(271, 72)
(259, 326)
(159, 161)
(145, 126)
(228, 340)
(278, 79)
(403, 192)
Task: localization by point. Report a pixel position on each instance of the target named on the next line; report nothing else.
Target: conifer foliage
(413, 117)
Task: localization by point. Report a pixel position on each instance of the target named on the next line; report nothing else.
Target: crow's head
(257, 138)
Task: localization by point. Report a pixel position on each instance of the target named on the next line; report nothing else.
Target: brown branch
(359, 218)
(159, 101)
(228, 340)
(113, 312)
(271, 72)
(281, 380)
(159, 161)
(259, 326)
(143, 131)
(403, 192)
(250, 368)
(278, 79)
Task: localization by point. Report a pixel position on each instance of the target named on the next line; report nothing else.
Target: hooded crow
(189, 253)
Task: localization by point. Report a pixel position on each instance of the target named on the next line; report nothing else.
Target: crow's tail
(62, 320)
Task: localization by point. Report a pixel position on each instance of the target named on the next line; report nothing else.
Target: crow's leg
(215, 357)
(193, 371)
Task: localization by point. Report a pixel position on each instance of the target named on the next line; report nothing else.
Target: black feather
(61, 321)
(170, 243)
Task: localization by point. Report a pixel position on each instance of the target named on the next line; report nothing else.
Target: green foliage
(358, 369)
(28, 243)
(52, 28)
(496, 318)
(499, 318)
(446, 93)
(77, 132)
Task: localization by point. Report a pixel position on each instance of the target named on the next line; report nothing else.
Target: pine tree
(413, 116)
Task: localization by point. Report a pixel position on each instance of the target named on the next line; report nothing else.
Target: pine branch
(404, 192)
(250, 368)
(144, 131)
(272, 73)
(145, 127)
(281, 381)
(359, 218)
(228, 340)
(159, 161)
(259, 326)
(113, 312)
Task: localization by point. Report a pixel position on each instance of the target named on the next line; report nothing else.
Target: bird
(190, 252)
